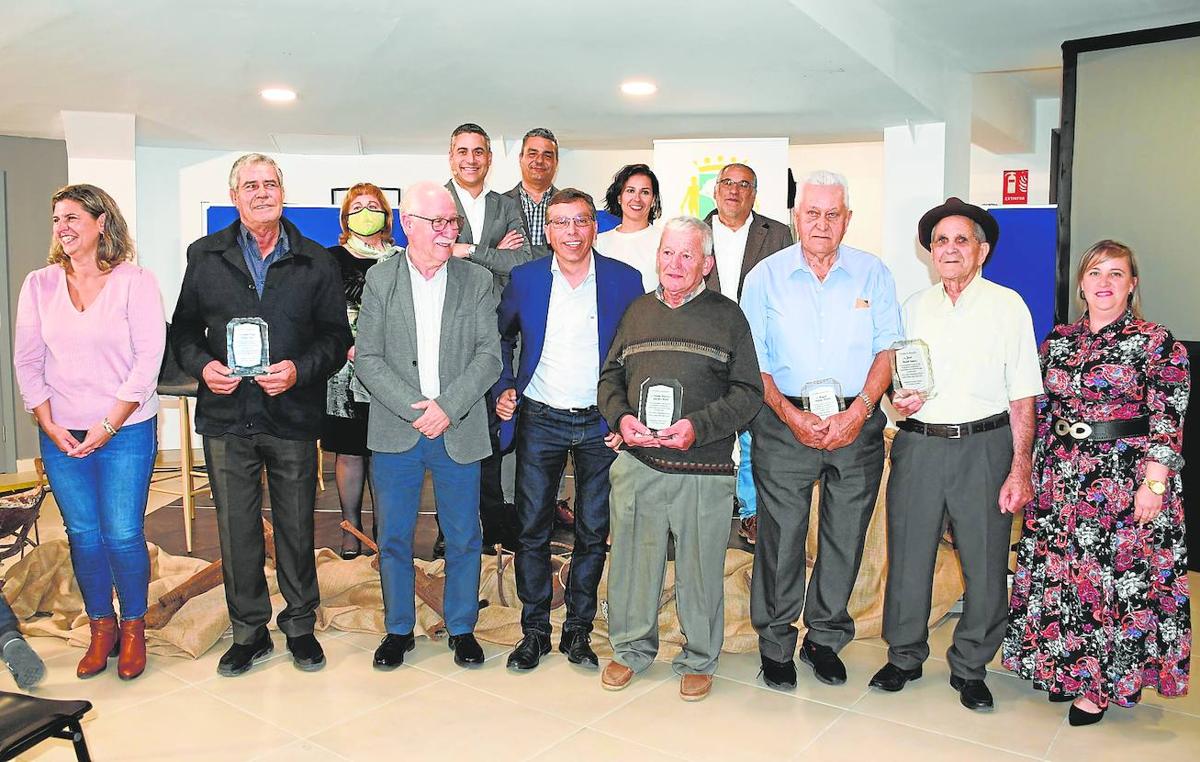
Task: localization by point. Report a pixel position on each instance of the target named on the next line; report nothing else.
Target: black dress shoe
(242, 656)
(576, 644)
(1078, 717)
(439, 546)
(891, 678)
(529, 652)
(826, 665)
(467, 652)
(306, 652)
(392, 648)
(780, 675)
(1059, 698)
(973, 694)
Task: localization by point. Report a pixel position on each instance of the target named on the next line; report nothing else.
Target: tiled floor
(181, 710)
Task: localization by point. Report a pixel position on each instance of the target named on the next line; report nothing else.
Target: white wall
(987, 168)
(862, 165)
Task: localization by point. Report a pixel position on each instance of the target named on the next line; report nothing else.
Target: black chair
(26, 721)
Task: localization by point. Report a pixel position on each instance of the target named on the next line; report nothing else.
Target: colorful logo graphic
(698, 198)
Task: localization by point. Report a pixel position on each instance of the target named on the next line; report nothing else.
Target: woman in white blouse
(633, 196)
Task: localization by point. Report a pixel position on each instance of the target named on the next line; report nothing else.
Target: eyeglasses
(561, 223)
(729, 183)
(439, 223)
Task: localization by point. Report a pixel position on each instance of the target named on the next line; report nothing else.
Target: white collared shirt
(429, 297)
(729, 246)
(473, 208)
(982, 347)
(569, 368)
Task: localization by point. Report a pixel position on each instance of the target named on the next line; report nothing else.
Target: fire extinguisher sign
(1016, 186)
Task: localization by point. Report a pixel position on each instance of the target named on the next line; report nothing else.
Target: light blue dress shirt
(805, 329)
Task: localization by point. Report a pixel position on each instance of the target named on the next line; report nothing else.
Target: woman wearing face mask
(366, 239)
(1100, 602)
(90, 334)
(633, 196)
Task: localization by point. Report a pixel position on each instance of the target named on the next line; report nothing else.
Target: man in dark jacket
(262, 267)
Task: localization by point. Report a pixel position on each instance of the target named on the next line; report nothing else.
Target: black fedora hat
(956, 207)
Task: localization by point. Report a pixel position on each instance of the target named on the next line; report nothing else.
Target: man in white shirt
(964, 451)
(741, 239)
(427, 369)
(565, 310)
(493, 235)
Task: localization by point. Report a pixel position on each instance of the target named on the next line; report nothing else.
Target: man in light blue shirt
(823, 317)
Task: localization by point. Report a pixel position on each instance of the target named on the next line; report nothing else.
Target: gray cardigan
(469, 357)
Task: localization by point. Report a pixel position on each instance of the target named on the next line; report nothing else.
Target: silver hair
(420, 188)
(692, 225)
(825, 177)
(976, 228)
(252, 158)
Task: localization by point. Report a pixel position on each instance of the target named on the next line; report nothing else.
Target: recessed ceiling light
(278, 94)
(639, 87)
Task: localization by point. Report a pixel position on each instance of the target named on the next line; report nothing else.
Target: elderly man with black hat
(962, 452)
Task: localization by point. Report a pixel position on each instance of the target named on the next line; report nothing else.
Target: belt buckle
(958, 431)
(1073, 429)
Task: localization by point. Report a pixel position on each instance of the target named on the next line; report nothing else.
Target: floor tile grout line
(639, 744)
(243, 710)
(946, 735)
(493, 694)
(841, 716)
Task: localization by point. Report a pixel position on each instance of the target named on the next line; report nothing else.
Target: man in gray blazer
(539, 164)
(427, 352)
(741, 239)
(493, 235)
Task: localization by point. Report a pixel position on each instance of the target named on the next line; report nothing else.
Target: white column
(100, 152)
(913, 183)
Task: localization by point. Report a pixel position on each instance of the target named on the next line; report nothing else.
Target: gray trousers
(235, 473)
(784, 473)
(933, 477)
(646, 506)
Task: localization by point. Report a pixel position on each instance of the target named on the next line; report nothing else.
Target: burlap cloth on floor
(351, 598)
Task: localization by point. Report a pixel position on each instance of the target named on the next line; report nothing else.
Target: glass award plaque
(912, 367)
(660, 403)
(248, 347)
(824, 397)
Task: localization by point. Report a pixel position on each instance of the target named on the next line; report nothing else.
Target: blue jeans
(8, 620)
(746, 496)
(544, 437)
(102, 499)
(396, 479)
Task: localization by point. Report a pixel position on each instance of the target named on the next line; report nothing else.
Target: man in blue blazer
(565, 308)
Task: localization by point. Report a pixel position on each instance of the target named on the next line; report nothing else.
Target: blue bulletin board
(1025, 259)
(321, 223)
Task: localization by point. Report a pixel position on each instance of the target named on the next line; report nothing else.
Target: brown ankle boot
(132, 661)
(103, 645)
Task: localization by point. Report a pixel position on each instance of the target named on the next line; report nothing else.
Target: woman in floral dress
(1100, 605)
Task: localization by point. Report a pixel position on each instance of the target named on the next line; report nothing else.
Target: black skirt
(346, 436)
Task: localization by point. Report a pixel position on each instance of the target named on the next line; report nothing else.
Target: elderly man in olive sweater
(677, 479)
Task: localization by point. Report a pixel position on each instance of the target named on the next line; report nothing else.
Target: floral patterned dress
(1100, 604)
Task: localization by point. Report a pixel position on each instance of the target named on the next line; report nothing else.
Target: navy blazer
(523, 311)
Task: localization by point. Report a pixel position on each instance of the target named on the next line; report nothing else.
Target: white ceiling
(397, 76)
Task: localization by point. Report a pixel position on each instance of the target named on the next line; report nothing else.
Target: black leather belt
(571, 410)
(1100, 431)
(955, 430)
(802, 402)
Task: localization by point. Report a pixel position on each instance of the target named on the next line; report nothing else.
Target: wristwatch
(471, 250)
(867, 401)
(1155, 486)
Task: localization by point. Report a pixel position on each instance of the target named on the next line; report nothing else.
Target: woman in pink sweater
(90, 334)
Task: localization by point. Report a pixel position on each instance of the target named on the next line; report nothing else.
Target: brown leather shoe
(615, 676)
(132, 661)
(103, 645)
(748, 529)
(694, 687)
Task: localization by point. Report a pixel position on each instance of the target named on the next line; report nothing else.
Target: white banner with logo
(687, 173)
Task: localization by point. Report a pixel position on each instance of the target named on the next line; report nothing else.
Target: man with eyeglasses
(679, 382)
(493, 235)
(428, 367)
(741, 239)
(564, 309)
(824, 318)
(539, 164)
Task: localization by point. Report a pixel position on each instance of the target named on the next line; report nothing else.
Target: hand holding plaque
(824, 397)
(912, 367)
(660, 403)
(248, 347)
